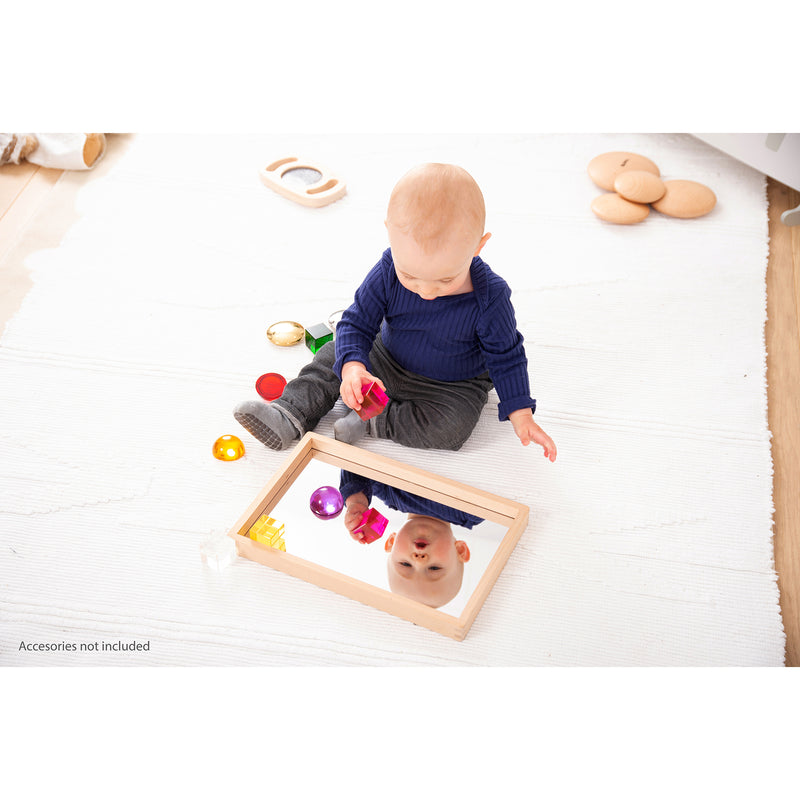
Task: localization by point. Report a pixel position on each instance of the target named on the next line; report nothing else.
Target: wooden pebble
(639, 186)
(615, 208)
(685, 199)
(603, 169)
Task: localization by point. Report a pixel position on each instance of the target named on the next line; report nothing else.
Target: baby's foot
(349, 429)
(267, 423)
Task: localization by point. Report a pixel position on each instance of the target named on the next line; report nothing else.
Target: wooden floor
(23, 188)
(783, 392)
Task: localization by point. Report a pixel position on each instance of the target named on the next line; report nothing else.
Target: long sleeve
(360, 323)
(399, 500)
(350, 484)
(503, 348)
(450, 338)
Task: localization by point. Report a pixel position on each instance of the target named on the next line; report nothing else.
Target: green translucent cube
(318, 335)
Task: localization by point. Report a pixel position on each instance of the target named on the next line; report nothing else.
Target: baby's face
(440, 273)
(426, 563)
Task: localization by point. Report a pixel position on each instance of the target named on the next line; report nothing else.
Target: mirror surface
(328, 543)
(301, 176)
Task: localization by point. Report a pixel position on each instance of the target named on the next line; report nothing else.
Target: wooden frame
(508, 513)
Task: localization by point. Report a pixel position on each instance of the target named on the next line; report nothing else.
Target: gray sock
(349, 429)
(267, 423)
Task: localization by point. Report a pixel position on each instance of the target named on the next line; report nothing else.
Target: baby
(426, 561)
(432, 324)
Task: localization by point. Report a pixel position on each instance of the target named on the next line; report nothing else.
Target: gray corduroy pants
(422, 412)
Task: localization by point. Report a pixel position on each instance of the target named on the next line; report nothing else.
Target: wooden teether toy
(304, 182)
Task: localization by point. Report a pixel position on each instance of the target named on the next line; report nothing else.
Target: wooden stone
(685, 199)
(615, 208)
(639, 186)
(603, 169)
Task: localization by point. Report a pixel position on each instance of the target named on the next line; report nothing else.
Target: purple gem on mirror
(326, 502)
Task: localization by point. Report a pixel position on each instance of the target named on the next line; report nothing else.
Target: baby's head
(426, 563)
(435, 221)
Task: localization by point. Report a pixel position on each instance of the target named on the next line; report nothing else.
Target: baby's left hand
(528, 431)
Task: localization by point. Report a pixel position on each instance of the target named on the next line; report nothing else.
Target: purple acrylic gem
(326, 502)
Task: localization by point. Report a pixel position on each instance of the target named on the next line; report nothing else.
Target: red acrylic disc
(271, 385)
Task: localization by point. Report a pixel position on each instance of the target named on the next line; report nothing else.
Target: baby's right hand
(356, 506)
(354, 375)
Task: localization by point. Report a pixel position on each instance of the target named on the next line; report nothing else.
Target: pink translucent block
(374, 401)
(372, 525)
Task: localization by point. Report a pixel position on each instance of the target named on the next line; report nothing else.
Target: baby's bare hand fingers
(349, 396)
(355, 391)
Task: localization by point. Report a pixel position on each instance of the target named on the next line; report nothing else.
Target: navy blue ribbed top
(450, 338)
(400, 500)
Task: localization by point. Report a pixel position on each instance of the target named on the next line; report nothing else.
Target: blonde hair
(435, 202)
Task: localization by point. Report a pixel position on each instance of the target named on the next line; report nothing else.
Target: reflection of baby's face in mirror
(426, 562)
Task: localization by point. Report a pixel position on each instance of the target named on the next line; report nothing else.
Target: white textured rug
(155, 278)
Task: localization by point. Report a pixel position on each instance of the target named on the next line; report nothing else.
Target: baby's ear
(389, 543)
(485, 238)
(463, 551)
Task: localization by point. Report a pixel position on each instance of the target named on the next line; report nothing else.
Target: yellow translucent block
(277, 542)
(273, 527)
(267, 530)
(267, 537)
(266, 522)
(258, 525)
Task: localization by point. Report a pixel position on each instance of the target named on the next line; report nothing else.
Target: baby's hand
(354, 374)
(356, 505)
(528, 431)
